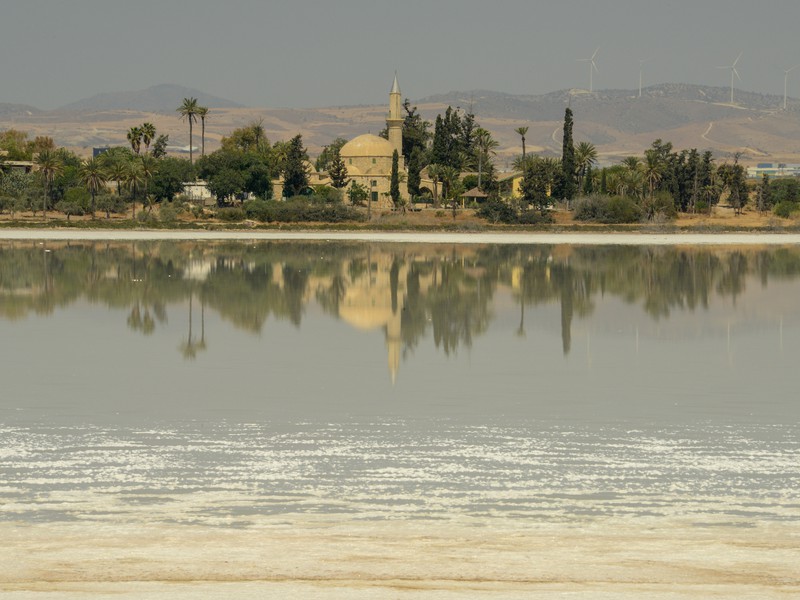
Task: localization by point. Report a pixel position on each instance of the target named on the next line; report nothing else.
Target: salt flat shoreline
(573, 238)
(335, 559)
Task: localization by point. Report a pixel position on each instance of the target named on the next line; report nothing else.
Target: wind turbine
(733, 72)
(592, 67)
(641, 62)
(786, 83)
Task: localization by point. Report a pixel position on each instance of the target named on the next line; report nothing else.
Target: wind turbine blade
(735, 72)
(737, 59)
(594, 66)
(595, 52)
(791, 69)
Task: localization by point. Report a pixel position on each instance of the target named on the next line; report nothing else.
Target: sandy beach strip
(574, 238)
(290, 558)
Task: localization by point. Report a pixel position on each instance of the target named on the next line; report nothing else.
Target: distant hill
(163, 98)
(663, 106)
(17, 110)
(617, 122)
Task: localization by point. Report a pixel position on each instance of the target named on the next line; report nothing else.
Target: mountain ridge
(160, 98)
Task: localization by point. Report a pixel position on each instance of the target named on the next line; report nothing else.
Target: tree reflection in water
(411, 292)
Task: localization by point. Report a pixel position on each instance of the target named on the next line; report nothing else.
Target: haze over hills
(618, 122)
(162, 98)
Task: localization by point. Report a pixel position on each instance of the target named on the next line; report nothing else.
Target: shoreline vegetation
(721, 227)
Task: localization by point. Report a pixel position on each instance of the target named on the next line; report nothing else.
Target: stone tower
(394, 122)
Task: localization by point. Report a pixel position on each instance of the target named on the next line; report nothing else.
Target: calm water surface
(218, 383)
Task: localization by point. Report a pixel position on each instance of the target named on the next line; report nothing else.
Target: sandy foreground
(494, 558)
(628, 239)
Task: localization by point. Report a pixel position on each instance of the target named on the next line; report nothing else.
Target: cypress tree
(603, 182)
(568, 185)
(295, 176)
(588, 184)
(394, 186)
(337, 171)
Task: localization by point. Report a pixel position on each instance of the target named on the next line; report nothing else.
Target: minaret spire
(394, 122)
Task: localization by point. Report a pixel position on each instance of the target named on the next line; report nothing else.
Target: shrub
(609, 210)
(147, 219)
(256, 209)
(70, 208)
(111, 203)
(497, 211)
(785, 209)
(230, 215)
(7, 203)
(300, 209)
(168, 213)
(661, 205)
(324, 194)
(535, 217)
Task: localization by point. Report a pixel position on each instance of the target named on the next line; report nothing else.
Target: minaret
(394, 122)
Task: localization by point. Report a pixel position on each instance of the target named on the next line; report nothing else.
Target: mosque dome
(367, 145)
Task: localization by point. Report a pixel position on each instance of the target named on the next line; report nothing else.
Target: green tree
(202, 112)
(337, 171)
(148, 170)
(357, 193)
(654, 167)
(115, 162)
(188, 110)
(435, 173)
(160, 146)
(148, 134)
(522, 131)
(394, 185)
(329, 154)
(135, 139)
(295, 175)
(568, 184)
(415, 144)
(588, 182)
(763, 198)
(50, 166)
(134, 179)
(448, 140)
(93, 176)
(535, 184)
(585, 159)
(485, 147)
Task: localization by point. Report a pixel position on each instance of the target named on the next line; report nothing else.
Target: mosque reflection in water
(411, 292)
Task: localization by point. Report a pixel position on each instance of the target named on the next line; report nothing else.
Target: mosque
(368, 157)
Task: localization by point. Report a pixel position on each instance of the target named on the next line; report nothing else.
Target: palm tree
(585, 158)
(188, 111)
(522, 131)
(135, 139)
(523, 163)
(116, 169)
(653, 169)
(50, 166)
(133, 180)
(149, 165)
(450, 180)
(93, 176)
(484, 145)
(631, 163)
(202, 112)
(148, 131)
(435, 173)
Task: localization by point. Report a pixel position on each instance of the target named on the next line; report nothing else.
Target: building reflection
(410, 293)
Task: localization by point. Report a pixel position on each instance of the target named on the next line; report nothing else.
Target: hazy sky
(306, 53)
